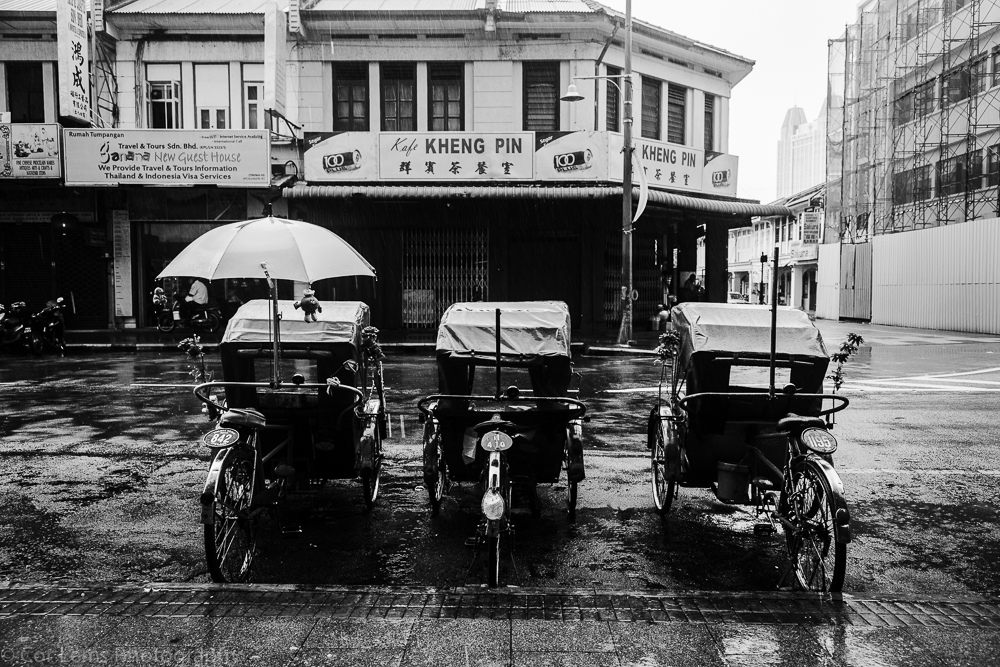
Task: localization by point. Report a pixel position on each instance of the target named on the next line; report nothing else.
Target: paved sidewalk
(179, 624)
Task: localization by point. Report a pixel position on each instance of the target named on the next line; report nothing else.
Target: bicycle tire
(231, 538)
(818, 561)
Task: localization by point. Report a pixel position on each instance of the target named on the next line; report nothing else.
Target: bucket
(734, 480)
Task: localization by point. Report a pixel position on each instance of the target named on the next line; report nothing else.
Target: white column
(422, 97)
(697, 138)
(50, 92)
(374, 99)
(327, 96)
(468, 90)
(3, 88)
(187, 96)
(722, 123)
(795, 298)
(235, 95)
(517, 90)
(636, 105)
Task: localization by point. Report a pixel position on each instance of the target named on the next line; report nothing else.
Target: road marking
(633, 390)
(166, 386)
(917, 471)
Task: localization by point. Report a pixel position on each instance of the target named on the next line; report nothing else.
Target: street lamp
(572, 95)
(760, 292)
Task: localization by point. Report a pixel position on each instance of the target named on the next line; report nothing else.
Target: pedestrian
(196, 299)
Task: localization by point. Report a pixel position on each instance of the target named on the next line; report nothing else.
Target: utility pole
(625, 331)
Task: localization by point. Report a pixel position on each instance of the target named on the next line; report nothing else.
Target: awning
(741, 208)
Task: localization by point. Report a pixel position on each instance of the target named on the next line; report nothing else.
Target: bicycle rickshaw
(717, 426)
(516, 438)
(274, 437)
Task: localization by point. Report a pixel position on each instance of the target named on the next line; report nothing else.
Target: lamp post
(760, 292)
(625, 89)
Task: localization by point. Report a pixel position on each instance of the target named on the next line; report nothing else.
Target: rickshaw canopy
(528, 328)
(339, 322)
(721, 329)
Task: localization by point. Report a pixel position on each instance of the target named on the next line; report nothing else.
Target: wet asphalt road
(101, 473)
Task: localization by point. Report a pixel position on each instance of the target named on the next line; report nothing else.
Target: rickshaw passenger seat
(243, 417)
(794, 422)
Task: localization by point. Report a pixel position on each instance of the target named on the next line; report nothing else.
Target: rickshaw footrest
(575, 472)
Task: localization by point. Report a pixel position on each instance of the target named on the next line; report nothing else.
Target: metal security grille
(645, 279)
(442, 267)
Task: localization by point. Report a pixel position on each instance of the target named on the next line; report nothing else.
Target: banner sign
(74, 59)
(571, 156)
(347, 156)
(455, 156)
(238, 158)
(122, 230)
(811, 223)
(669, 166)
(29, 151)
(275, 57)
(720, 174)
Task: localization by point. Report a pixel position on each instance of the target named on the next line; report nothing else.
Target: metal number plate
(496, 441)
(220, 438)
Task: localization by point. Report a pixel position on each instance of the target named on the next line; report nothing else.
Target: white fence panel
(942, 278)
(828, 282)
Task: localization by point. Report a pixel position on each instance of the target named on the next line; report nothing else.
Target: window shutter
(541, 96)
(651, 108)
(676, 96)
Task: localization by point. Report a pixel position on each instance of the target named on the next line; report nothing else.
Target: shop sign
(122, 231)
(275, 56)
(237, 158)
(811, 222)
(719, 177)
(571, 156)
(668, 166)
(455, 156)
(74, 59)
(347, 156)
(29, 151)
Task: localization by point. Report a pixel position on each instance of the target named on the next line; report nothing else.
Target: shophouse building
(429, 135)
(912, 208)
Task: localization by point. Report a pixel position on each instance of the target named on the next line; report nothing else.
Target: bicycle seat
(244, 417)
(495, 425)
(794, 422)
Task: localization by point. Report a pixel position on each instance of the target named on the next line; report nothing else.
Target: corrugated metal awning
(736, 208)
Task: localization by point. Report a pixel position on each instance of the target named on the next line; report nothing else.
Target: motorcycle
(48, 326)
(15, 327)
(206, 318)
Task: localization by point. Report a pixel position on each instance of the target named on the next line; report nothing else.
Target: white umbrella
(292, 250)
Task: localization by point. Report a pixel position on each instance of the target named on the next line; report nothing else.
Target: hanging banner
(668, 166)
(122, 243)
(720, 174)
(275, 57)
(455, 156)
(74, 59)
(29, 151)
(347, 156)
(571, 156)
(236, 158)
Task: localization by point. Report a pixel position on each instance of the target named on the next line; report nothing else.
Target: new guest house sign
(239, 158)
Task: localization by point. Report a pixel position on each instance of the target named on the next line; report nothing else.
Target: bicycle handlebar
(577, 408)
(683, 403)
(201, 391)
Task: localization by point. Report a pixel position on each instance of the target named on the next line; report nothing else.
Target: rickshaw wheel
(493, 560)
(165, 321)
(372, 481)
(434, 469)
(663, 490)
(818, 560)
(231, 539)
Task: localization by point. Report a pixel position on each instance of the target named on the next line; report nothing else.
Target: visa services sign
(237, 158)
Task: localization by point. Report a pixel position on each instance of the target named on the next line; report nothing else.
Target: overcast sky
(787, 40)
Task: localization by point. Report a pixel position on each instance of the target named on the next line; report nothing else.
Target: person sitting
(196, 299)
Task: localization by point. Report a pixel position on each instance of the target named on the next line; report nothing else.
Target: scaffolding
(914, 111)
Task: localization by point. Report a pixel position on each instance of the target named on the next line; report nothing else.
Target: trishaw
(511, 440)
(321, 416)
(717, 425)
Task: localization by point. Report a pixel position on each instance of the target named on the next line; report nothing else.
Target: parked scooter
(15, 327)
(48, 326)
(204, 318)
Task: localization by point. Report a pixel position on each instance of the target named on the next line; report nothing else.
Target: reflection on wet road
(102, 471)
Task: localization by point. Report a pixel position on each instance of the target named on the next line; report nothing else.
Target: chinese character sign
(74, 59)
(668, 166)
(456, 156)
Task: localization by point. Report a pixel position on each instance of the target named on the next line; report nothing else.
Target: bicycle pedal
(471, 542)
(291, 531)
(763, 529)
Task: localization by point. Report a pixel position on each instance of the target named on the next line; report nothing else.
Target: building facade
(801, 152)
(433, 138)
(912, 185)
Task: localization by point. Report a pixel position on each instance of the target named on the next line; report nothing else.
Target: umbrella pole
(276, 318)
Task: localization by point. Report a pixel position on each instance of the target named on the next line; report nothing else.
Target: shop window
(213, 118)
(445, 84)
(613, 123)
(350, 97)
(25, 93)
(651, 108)
(709, 122)
(211, 96)
(164, 104)
(399, 86)
(676, 100)
(541, 96)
